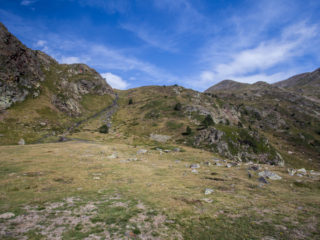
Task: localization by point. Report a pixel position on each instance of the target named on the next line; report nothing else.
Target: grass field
(106, 190)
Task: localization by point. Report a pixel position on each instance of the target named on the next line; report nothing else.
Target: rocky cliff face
(39, 96)
(23, 71)
(20, 70)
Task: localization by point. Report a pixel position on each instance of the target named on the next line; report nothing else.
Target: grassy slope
(37, 175)
(23, 119)
(153, 111)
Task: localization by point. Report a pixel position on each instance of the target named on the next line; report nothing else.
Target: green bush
(178, 107)
(208, 121)
(104, 129)
(188, 131)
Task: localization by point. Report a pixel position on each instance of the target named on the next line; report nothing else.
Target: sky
(192, 43)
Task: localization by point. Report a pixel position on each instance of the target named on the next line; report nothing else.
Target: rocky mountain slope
(306, 84)
(226, 85)
(244, 122)
(39, 96)
(288, 119)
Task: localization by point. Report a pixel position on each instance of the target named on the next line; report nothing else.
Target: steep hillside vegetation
(40, 97)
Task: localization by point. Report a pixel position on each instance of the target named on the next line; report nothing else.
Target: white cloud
(115, 81)
(251, 64)
(70, 60)
(27, 2)
(156, 39)
(41, 43)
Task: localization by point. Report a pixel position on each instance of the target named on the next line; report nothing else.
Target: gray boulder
(269, 175)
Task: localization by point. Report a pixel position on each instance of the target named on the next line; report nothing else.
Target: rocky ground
(111, 190)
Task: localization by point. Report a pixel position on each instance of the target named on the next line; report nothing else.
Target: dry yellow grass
(38, 174)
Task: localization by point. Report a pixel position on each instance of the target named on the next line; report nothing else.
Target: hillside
(40, 97)
(306, 84)
(289, 120)
(80, 160)
(227, 85)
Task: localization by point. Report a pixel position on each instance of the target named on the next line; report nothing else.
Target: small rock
(7, 215)
(208, 191)
(62, 139)
(218, 164)
(263, 180)
(142, 151)
(270, 175)
(302, 171)
(229, 165)
(207, 163)
(21, 142)
(194, 171)
(268, 238)
(96, 178)
(177, 161)
(167, 150)
(291, 171)
(113, 156)
(254, 167)
(176, 149)
(249, 175)
(195, 165)
(314, 173)
(248, 163)
(43, 124)
(207, 200)
(289, 152)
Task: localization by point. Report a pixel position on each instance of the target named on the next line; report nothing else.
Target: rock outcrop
(20, 70)
(23, 72)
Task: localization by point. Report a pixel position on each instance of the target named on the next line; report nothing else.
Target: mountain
(239, 161)
(288, 119)
(39, 96)
(307, 84)
(259, 122)
(227, 85)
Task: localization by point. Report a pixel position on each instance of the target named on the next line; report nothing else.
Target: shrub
(130, 101)
(178, 107)
(208, 121)
(240, 125)
(104, 129)
(188, 131)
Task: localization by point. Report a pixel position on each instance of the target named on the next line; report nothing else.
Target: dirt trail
(106, 113)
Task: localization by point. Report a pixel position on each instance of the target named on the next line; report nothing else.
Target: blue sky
(163, 42)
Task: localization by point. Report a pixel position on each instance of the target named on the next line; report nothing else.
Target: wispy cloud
(27, 2)
(110, 6)
(158, 39)
(248, 56)
(115, 81)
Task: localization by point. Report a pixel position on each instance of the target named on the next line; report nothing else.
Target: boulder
(159, 138)
(263, 180)
(269, 175)
(302, 171)
(291, 171)
(21, 142)
(142, 151)
(195, 165)
(208, 191)
(7, 215)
